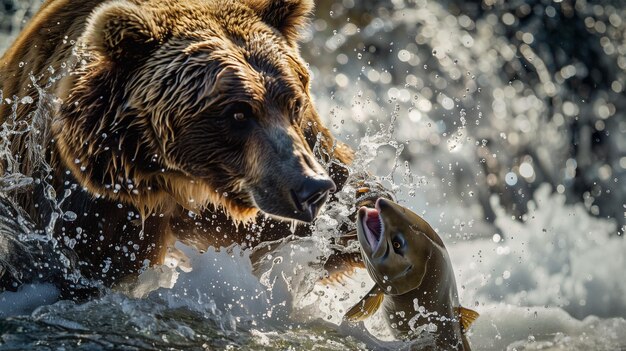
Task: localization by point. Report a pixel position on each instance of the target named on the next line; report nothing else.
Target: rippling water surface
(501, 122)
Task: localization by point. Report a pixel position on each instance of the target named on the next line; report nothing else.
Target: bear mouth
(288, 208)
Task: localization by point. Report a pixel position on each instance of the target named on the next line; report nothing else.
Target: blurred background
(501, 122)
(491, 97)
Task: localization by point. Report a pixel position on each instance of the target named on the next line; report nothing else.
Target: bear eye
(239, 111)
(239, 116)
(396, 245)
(296, 111)
(297, 107)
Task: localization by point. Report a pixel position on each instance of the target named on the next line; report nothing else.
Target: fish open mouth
(373, 227)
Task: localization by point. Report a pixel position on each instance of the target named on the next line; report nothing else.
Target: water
(477, 115)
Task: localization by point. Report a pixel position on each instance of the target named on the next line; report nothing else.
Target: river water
(481, 117)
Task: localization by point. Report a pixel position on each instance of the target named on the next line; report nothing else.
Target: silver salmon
(414, 280)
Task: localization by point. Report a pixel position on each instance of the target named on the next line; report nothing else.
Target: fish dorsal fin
(466, 316)
(368, 305)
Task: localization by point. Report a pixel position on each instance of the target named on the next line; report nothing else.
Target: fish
(414, 280)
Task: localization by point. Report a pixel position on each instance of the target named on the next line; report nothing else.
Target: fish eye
(398, 243)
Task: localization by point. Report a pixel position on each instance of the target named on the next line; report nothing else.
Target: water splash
(443, 95)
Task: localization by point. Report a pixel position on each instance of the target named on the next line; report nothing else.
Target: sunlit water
(426, 115)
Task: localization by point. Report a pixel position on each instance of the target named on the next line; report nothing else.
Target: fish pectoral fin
(344, 240)
(367, 306)
(341, 265)
(466, 316)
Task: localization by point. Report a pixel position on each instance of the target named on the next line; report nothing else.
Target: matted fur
(137, 120)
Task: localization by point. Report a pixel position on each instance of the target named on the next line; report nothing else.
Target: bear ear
(288, 16)
(120, 30)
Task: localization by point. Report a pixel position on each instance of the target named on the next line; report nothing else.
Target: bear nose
(311, 196)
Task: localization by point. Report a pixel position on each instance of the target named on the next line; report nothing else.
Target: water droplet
(69, 216)
(27, 100)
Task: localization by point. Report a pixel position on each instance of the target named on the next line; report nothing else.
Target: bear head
(196, 103)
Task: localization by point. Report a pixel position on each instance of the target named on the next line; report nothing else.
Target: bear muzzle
(311, 196)
(291, 184)
(297, 197)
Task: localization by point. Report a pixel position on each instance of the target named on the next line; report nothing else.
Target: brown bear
(151, 120)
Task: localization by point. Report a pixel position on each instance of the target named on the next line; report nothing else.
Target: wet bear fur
(154, 121)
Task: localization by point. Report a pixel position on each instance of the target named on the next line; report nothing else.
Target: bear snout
(311, 196)
(296, 194)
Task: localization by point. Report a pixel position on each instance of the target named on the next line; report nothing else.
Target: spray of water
(443, 101)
